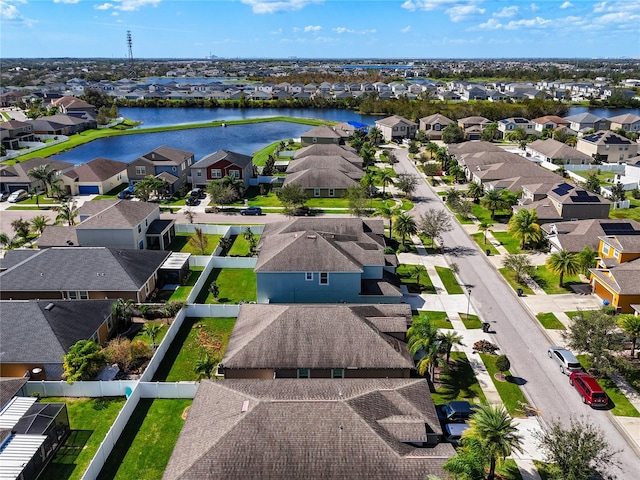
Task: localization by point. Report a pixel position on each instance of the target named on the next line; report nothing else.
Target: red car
(589, 389)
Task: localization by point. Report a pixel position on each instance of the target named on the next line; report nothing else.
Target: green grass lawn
(408, 278)
(147, 339)
(449, 280)
(472, 322)
(550, 321)
(182, 244)
(509, 391)
(240, 246)
(548, 281)
(511, 244)
(618, 403)
(235, 284)
(459, 383)
(438, 319)
(406, 205)
(181, 293)
(90, 420)
(631, 213)
(484, 215)
(186, 349)
(463, 220)
(42, 200)
(479, 239)
(147, 442)
(113, 193)
(510, 277)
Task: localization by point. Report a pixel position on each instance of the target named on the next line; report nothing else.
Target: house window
(316, 192)
(199, 173)
(109, 323)
(234, 173)
(139, 228)
(337, 373)
(304, 373)
(84, 295)
(141, 170)
(332, 192)
(72, 295)
(119, 177)
(216, 173)
(324, 278)
(308, 276)
(94, 337)
(605, 249)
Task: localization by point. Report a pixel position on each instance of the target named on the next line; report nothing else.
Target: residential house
(473, 126)
(352, 428)
(171, 164)
(509, 125)
(318, 260)
(96, 177)
(615, 278)
(631, 176)
(583, 122)
(50, 329)
(549, 122)
(10, 98)
(319, 341)
(347, 153)
(61, 124)
(220, 164)
(553, 151)
(75, 107)
(333, 162)
(321, 135)
(114, 224)
(14, 177)
(608, 147)
(627, 122)
(433, 125)
(13, 132)
(321, 182)
(396, 127)
(565, 202)
(81, 273)
(574, 236)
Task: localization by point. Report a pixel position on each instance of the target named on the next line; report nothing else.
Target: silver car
(565, 359)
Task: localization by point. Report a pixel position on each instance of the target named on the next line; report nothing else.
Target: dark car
(4, 196)
(455, 412)
(192, 201)
(302, 212)
(589, 389)
(251, 211)
(198, 193)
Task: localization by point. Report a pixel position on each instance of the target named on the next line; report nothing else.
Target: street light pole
(468, 301)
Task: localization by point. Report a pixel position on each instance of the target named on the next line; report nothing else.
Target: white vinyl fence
(114, 388)
(201, 310)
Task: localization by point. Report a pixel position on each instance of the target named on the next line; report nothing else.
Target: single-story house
(96, 177)
(553, 151)
(15, 177)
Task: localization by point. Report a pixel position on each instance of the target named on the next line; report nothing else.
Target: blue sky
(320, 28)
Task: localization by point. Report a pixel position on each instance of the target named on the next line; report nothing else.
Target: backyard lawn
(146, 444)
(437, 319)
(548, 281)
(459, 383)
(509, 391)
(189, 346)
(409, 278)
(181, 293)
(90, 420)
(235, 284)
(182, 244)
(550, 321)
(240, 246)
(449, 280)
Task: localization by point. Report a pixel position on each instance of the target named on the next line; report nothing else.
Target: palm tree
(43, 174)
(405, 225)
(389, 212)
(231, 181)
(423, 339)
(432, 148)
(563, 263)
(152, 330)
(493, 200)
(57, 190)
(631, 325)
(453, 196)
(447, 341)
(375, 135)
(204, 367)
(121, 311)
(418, 270)
(385, 176)
(587, 258)
(39, 223)
(475, 191)
(67, 212)
(494, 428)
(524, 225)
(5, 241)
(484, 227)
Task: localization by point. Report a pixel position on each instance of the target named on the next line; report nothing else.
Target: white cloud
(276, 32)
(66, 1)
(506, 12)
(460, 13)
(534, 7)
(491, 24)
(566, 5)
(428, 5)
(312, 28)
(406, 29)
(536, 22)
(127, 5)
(11, 15)
(343, 30)
(274, 6)
(599, 7)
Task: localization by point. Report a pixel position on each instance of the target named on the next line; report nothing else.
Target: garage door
(88, 189)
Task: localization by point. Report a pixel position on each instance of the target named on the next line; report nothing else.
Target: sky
(407, 29)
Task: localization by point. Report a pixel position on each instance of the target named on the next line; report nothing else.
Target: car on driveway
(18, 196)
(589, 389)
(4, 196)
(565, 359)
(453, 432)
(192, 201)
(455, 412)
(251, 211)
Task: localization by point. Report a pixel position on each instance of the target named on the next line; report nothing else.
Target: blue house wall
(294, 288)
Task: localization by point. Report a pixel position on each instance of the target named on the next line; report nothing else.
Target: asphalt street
(518, 334)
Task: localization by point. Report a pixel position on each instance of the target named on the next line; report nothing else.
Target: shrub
(484, 346)
(502, 363)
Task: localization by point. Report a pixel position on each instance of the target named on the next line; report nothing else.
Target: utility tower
(131, 72)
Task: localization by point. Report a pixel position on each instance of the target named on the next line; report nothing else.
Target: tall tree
(83, 361)
(520, 264)
(563, 263)
(433, 223)
(44, 174)
(484, 227)
(199, 240)
(587, 258)
(39, 223)
(220, 194)
(375, 135)
(389, 211)
(405, 226)
(385, 177)
(422, 338)
(452, 133)
(630, 323)
(475, 191)
(407, 183)
(593, 183)
(21, 227)
(494, 428)
(524, 226)
(617, 192)
(67, 212)
(494, 200)
(358, 200)
(447, 340)
(292, 196)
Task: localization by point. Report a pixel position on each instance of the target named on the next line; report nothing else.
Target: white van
(18, 196)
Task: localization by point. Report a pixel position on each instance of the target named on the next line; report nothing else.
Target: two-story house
(549, 122)
(607, 147)
(583, 122)
(433, 125)
(627, 122)
(321, 135)
(13, 132)
(508, 125)
(220, 164)
(396, 127)
(168, 163)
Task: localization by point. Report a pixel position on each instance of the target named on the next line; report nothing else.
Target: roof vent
(312, 236)
(50, 306)
(245, 406)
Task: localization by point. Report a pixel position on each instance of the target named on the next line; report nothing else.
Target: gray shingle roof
(58, 236)
(320, 178)
(321, 131)
(558, 150)
(167, 156)
(9, 387)
(394, 120)
(622, 278)
(311, 336)
(105, 214)
(308, 429)
(96, 170)
(328, 149)
(18, 172)
(83, 268)
(575, 235)
(325, 161)
(232, 157)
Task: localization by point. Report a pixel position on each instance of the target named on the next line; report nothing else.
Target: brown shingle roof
(96, 170)
(105, 214)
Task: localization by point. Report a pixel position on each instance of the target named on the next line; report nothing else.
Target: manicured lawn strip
(437, 319)
(621, 405)
(185, 351)
(472, 322)
(463, 220)
(235, 284)
(550, 321)
(449, 280)
(181, 243)
(548, 281)
(632, 213)
(509, 392)
(479, 239)
(511, 244)
(510, 276)
(146, 444)
(42, 200)
(459, 383)
(181, 293)
(406, 205)
(27, 207)
(407, 277)
(90, 420)
(113, 193)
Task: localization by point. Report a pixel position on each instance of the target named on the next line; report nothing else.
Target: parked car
(192, 201)
(303, 211)
(18, 196)
(459, 411)
(251, 211)
(126, 193)
(198, 193)
(4, 196)
(454, 431)
(565, 359)
(589, 389)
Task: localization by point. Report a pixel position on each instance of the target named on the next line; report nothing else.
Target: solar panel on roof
(585, 198)
(562, 189)
(619, 228)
